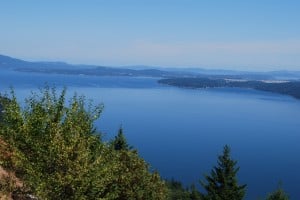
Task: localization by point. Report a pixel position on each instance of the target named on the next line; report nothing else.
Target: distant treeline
(291, 88)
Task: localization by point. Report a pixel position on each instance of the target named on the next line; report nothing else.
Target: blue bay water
(180, 132)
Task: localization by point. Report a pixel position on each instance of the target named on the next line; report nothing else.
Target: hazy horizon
(244, 35)
(141, 66)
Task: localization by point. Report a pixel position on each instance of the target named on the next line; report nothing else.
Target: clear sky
(228, 34)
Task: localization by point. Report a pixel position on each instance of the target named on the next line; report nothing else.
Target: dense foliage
(178, 192)
(278, 194)
(59, 155)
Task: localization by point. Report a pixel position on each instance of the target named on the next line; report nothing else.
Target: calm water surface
(180, 132)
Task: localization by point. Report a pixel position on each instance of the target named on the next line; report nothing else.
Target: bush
(59, 154)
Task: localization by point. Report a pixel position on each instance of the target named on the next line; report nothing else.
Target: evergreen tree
(120, 142)
(222, 183)
(3, 100)
(194, 193)
(177, 191)
(278, 194)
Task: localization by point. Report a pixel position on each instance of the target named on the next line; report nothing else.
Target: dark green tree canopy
(278, 194)
(177, 191)
(120, 142)
(222, 182)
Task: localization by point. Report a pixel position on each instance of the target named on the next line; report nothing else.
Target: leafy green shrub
(59, 154)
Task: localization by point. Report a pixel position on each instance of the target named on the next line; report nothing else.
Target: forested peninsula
(291, 88)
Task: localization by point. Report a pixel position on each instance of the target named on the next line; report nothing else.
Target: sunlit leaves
(60, 155)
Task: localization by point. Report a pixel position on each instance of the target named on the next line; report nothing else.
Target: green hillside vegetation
(50, 149)
(58, 154)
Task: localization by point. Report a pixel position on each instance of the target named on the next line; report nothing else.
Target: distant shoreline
(291, 88)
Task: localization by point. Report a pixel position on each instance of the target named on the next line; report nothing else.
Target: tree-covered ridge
(291, 88)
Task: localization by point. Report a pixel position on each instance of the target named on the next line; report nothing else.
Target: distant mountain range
(7, 62)
(10, 63)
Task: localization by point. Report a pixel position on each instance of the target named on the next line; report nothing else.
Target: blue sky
(228, 34)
